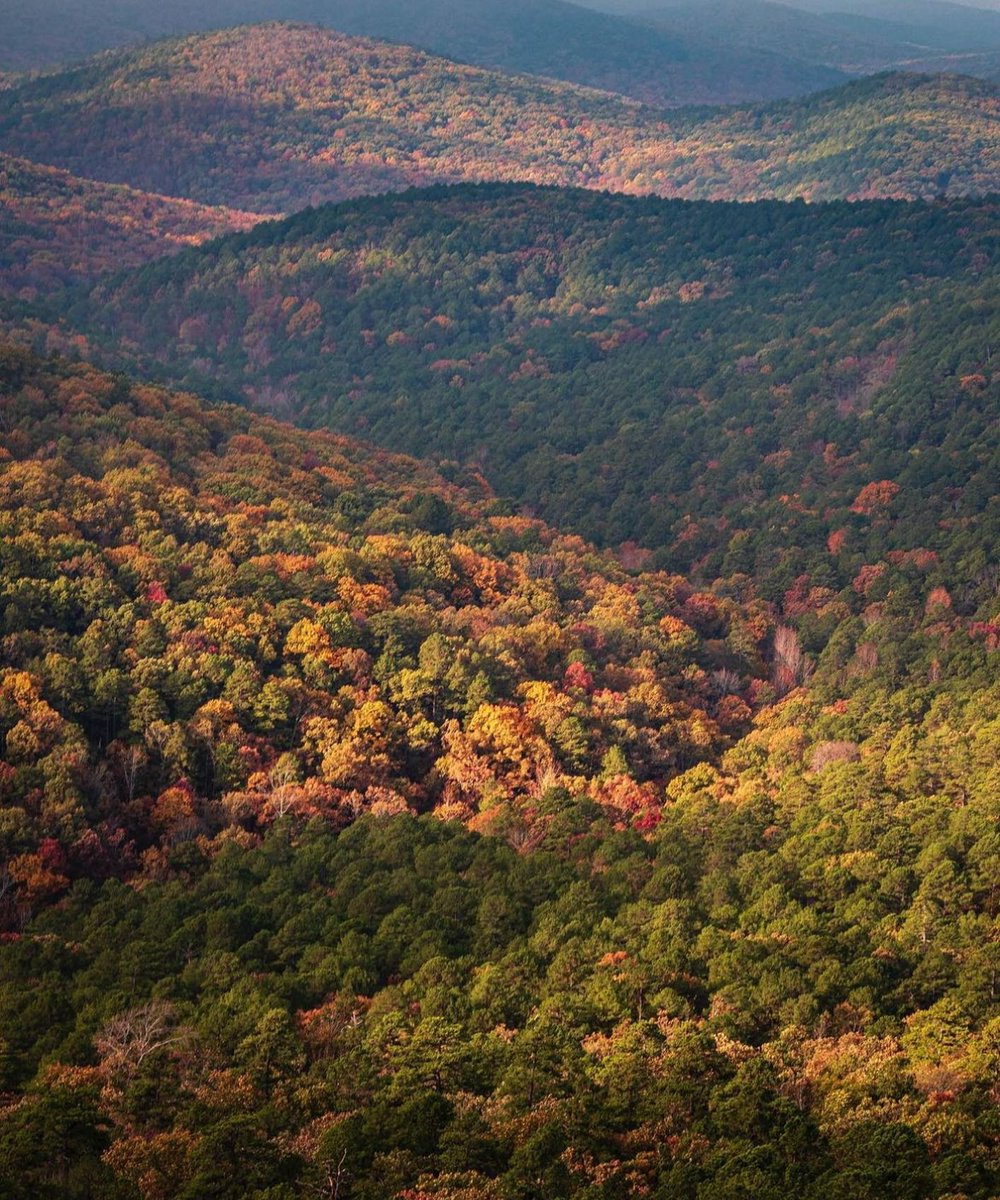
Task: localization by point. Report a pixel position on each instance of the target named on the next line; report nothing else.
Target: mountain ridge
(57, 229)
(542, 37)
(246, 118)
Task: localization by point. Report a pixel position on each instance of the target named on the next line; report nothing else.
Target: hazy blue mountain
(852, 37)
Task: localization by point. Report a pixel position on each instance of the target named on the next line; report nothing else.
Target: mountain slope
(685, 963)
(272, 118)
(719, 384)
(981, 64)
(947, 38)
(936, 22)
(56, 229)
(228, 597)
(542, 37)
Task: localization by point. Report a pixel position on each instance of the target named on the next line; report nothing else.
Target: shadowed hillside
(718, 383)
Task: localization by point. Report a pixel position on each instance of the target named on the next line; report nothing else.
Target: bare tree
(285, 792)
(14, 912)
(334, 1182)
(790, 667)
(129, 760)
(130, 1038)
(726, 681)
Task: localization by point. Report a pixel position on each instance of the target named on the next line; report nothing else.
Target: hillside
(947, 38)
(499, 691)
(539, 37)
(272, 118)
(719, 384)
(983, 64)
(308, 597)
(239, 659)
(900, 136)
(56, 229)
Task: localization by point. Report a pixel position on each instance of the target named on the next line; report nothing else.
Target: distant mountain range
(272, 118)
(850, 34)
(854, 38)
(538, 37)
(660, 51)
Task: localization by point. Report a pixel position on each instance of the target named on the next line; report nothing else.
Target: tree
(126, 1041)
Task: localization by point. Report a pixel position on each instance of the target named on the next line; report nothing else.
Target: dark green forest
(770, 389)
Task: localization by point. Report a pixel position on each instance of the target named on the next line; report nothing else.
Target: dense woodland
(673, 52)
(602, 806)
(365, 841)
(309, 598)
(57, 230)
(682, 376)
(272, 118)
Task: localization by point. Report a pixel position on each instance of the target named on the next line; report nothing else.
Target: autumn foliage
(271, 118)
(369, 840)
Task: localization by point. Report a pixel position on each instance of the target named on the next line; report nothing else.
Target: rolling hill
(940, 22)
(272, 118)
(718, 384)
(541, 37)
(56, 229)
(603, 805)
(929, 38)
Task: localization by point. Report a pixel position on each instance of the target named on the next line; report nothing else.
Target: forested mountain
(941, 22)
(786, 31)
(980, 64)
(56, 229)
(850, 42)
(271, 118)
(776, 389)
(928, 38)
(659, 51)
(271, 619)
(238, 660)
(539, 37)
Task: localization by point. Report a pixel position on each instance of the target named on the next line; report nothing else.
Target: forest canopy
(360, 836)
(270, 118)
(688, 377)
(602, 806)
